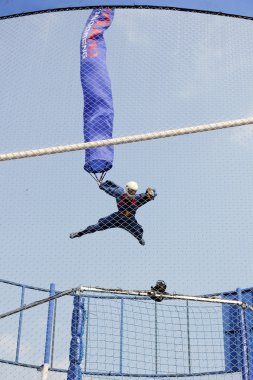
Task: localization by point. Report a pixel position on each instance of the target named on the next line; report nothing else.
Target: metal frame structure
(81, 314)
(242, 298)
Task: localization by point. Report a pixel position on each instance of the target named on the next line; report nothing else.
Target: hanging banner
(98, 104)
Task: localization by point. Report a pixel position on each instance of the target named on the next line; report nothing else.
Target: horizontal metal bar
(39, 302)
(117, 374)
(32, 366)
(19, 364)
(116, 297)
(154, 375)
(23, 285)
(141, 293)
(165, 296)
(246, 290)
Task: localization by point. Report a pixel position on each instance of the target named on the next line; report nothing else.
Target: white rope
(126, 139)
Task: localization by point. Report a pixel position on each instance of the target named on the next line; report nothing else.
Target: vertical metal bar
(244, 341)
(50, 318)
(156, 341)
(188, 337)
(53, 336)
(20, 324)
(87, 335)
(121, 335)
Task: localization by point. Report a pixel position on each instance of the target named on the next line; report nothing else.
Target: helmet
(160, 286)
(131, 189)
(157, 291)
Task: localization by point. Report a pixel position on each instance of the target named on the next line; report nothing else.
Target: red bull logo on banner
(95, 27)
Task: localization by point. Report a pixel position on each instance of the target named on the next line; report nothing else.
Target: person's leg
(133, 227)
(103, 224)
(88, 230)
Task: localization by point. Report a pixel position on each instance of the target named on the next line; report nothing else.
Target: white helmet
(131, 188)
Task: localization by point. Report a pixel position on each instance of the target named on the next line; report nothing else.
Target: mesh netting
(106, 336)
(167, 70)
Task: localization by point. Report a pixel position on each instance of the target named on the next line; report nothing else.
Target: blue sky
(168, 70)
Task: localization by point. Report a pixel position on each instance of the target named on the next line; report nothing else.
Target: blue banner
(98, 104)
(231, 7)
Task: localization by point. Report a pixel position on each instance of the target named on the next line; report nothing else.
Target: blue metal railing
(246, 329)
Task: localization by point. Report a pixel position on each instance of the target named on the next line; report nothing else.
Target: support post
(244, 340)
(53, 335)
(188, 337)
(156, 341)
(87, 314)
(20, 324)
(76, 345)
(121, 334)
(50, 321)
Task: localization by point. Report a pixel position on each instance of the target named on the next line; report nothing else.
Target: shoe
(74, 235)
(142, 242)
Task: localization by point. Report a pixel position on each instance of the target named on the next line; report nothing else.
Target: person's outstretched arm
(146, 197)
(111, 188)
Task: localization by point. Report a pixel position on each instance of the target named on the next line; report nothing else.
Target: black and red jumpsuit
(125, 216)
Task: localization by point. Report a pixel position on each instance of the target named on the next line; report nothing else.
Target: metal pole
(121, 334)
(188, 336)
(156, 339)
(53, 335)
(50, 320)
(244, 341)
(20, 324)
(87, 336)
(40, 302)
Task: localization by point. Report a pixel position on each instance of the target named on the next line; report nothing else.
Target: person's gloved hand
(101, 183)
(150, 193)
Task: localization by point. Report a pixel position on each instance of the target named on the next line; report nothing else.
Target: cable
(126, 139)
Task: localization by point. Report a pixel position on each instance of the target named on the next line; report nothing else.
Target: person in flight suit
(128, 202)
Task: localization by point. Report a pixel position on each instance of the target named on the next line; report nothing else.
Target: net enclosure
(145, 68)
(170, 64)
(111, 333)
(161, 40)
